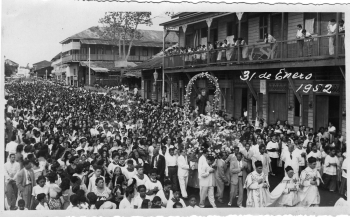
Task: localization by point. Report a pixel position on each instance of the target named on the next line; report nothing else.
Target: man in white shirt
(183, 168)
(308, 39)
(273, 45)
(331, 131)
(332, 28)
(292, 158)
(300, 41)
(207, 182)
(302, 152)
(114, 163)
(171, 167)
(272, 150)
(128, 201)
(153, 185)
(11, 169)
(331, 163)
(11, 146)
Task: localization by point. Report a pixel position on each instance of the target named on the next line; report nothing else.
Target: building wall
(182, 38)
(293, 20)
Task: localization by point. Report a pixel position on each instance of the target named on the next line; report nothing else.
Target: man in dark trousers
(158, 163)
(201, 101)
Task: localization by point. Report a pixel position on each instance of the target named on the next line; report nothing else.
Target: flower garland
(212, 79)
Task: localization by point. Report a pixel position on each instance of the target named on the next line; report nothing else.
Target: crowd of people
(69, 148)
(218, 52)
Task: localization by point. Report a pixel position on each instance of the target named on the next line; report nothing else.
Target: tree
(122, 28)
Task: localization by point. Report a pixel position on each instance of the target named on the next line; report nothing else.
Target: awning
(99, 69)
(136, 74)
(94, 66)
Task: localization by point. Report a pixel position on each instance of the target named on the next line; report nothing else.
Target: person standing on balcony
(268, 38)
(244, 47)
(308, 39)
(300, 42)
(204, 54)
(210, 48)
(342, 30)
(332, 28)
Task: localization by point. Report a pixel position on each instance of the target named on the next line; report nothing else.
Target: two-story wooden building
(313, 100)
(104, 53)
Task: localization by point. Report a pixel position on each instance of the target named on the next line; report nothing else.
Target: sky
(32, 29)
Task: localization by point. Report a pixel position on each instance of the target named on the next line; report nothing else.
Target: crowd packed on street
(70, 148)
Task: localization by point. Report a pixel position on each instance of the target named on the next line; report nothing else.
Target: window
(262, 26)
(230, 28)
(145, 51)
(156, 50)
(132, 51)
(204, 32)
(296, 107)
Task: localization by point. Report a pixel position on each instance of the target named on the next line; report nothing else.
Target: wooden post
(336, 37)
(239, 35)
(282, 35)
(318, 32)
(208, 52)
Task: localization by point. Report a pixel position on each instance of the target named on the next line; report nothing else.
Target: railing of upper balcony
(317, 47)
(100, 57)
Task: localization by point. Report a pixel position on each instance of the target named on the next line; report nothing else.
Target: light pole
(89, 69)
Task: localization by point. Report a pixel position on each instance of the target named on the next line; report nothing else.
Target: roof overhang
(187, 20)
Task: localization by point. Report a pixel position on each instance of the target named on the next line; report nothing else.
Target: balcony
(101, 57)
(294, 50)
(70, 46)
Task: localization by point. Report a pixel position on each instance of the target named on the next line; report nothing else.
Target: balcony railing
(316, 47)
(101, 57)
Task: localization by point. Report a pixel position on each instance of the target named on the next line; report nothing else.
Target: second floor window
(145, 51)
(262, 26)
(230, 28)
(132, 51)
(204, 32)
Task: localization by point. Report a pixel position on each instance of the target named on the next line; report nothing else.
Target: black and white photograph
(167, 107)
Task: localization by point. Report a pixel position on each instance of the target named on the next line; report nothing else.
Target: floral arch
(212, 79)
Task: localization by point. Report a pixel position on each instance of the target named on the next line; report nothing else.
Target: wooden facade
(282, 100)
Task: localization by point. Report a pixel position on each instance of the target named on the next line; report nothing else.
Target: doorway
(277, 107)
(240, 102)
(327, 110)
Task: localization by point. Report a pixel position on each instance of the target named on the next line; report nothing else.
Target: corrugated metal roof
(153, 63)
(137, 43)
(109, 65)
(97, 32)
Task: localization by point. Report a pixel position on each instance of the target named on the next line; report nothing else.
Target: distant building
(42, 69)
(11, 67)
(104, 69)
(24, 71)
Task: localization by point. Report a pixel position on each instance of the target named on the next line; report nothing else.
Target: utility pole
(89, 69)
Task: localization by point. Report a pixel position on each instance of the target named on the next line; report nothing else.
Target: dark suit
(160, 167)
(24, 189)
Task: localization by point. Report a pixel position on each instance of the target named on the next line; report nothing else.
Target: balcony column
(282, 34)
(184, 27)
(336, 36)
(239, 16)
(165, 34)
(318, 32)
(209, 21)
